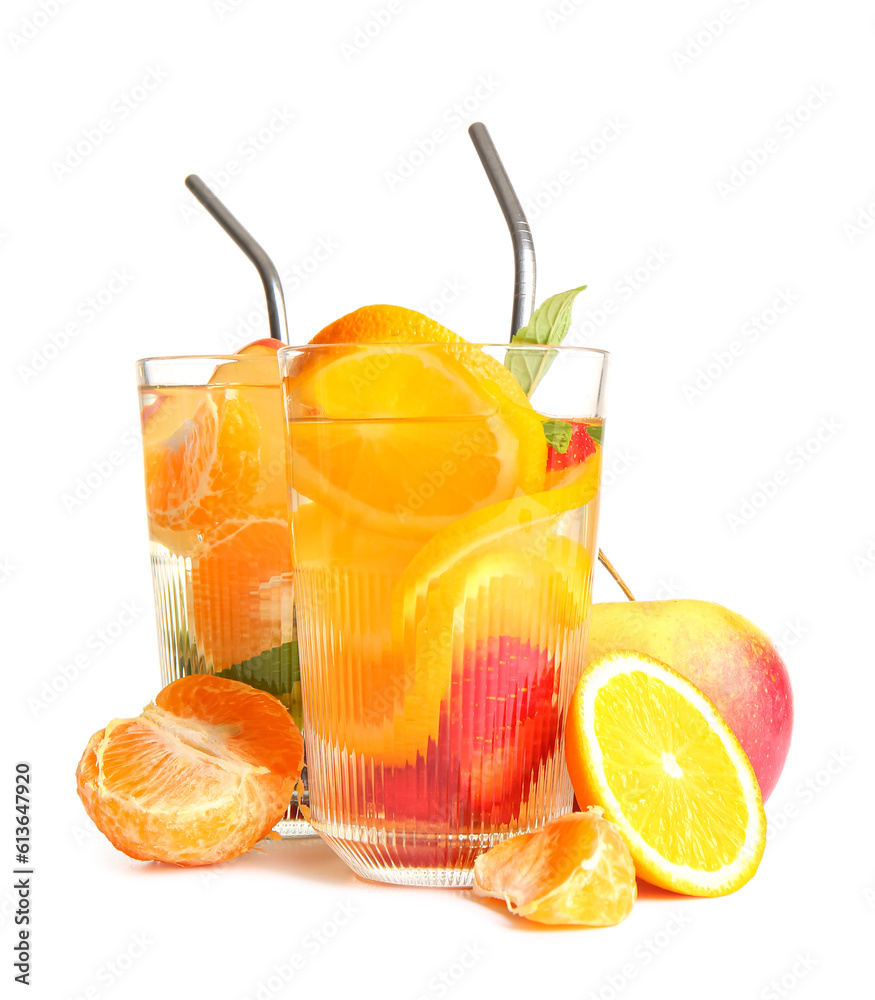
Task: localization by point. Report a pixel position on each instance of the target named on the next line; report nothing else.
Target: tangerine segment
(241, 590)
(650, 748)
(575, 870)
(208, 468)
(395, 324)
(200, 776)
(406, 442)
(255, 378)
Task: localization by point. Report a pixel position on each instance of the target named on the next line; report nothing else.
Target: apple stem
(603, 559)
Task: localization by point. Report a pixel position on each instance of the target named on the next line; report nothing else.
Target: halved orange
(575, 870)
(200, 776)
(207, 468)
(407, 441)
(647, 745)
(393, 324)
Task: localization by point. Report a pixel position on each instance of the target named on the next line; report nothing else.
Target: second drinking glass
(218, 506)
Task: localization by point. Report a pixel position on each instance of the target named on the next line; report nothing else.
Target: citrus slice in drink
(200, 776)
(648, 746)
(254, 378)
(407, 441)
(395, 324)
(322, 539)
(241, 590)
(575, 870)
(499, 572)
(207, 468)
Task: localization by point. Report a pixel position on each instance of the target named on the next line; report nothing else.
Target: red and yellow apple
(262, 346)
(724, 655)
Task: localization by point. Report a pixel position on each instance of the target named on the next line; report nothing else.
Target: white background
(341, 117)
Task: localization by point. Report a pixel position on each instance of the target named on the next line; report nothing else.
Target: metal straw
(517, 223)
(273, 290)
(523, 255)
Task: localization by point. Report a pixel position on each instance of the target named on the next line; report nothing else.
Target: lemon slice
(647, 745)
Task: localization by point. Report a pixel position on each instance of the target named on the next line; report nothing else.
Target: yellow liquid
(223, 585)
(435, 698)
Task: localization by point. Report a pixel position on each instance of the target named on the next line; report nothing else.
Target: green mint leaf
(276, 671)
(548, 325)
(558, 434)
(596, 431)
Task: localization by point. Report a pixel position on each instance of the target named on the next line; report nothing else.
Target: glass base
(289, 828)
(437, 861)
(293, 824)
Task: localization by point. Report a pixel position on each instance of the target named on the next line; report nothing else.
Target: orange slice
(408, 441)
(200, 776)
(648, 747)
(575, 870)
(322, 539)
(241, 590)
(499, 571)
(393, 324)
(207, 469)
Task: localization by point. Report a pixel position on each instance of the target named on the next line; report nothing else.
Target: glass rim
(197, 371)
(570, 348)
(200, 357)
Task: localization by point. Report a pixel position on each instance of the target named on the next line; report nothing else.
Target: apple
(727, 657)
(262, 346)
(257, 371)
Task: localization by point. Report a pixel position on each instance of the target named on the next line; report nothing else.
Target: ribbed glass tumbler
(445, 500)
(217, 502)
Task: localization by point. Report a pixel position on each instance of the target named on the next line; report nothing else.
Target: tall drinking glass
(445, 501)
(218, 509)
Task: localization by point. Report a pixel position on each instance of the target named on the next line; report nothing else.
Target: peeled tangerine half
(575, 870)
(199, 776)
(647, 745)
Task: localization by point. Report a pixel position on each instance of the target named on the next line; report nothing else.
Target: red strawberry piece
(580, 447)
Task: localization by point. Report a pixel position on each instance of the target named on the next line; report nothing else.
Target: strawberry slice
(580, 447)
